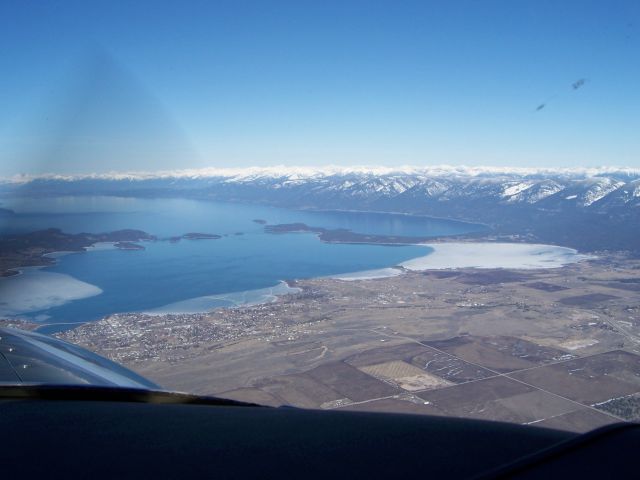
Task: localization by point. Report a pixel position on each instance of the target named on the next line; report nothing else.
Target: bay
(244, 259)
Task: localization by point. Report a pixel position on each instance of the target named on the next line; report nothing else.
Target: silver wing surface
(29, 358)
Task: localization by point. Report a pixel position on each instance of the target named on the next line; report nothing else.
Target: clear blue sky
(119, 85)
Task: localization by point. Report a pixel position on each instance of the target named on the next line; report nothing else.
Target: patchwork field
(557, 348)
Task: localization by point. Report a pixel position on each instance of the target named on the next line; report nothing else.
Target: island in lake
(201, 236)
(342, 235)
(30, 249)
(195, 236)
(128, 246)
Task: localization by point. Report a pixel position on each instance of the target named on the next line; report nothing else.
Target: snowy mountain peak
(304, 173)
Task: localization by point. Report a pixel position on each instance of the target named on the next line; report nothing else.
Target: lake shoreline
(137, 280)
(440, 256)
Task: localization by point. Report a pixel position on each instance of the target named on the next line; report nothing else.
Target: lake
(240, 267)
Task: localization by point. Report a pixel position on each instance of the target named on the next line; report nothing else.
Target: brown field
(556, 348)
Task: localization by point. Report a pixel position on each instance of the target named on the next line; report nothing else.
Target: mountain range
(590, 209)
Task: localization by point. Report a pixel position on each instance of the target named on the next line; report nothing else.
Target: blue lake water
(165, 273)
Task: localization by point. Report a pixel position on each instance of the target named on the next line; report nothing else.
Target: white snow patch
(368, 274)
(600, 190)
(36, 290)
(578, 344)
(308, 172)
(515, 189)
(493, 255)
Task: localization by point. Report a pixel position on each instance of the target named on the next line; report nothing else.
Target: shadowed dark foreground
(75, 434)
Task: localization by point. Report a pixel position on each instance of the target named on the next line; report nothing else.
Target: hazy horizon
(326, 170)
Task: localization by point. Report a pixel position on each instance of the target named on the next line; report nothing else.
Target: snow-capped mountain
(513, 200)
(581, 187)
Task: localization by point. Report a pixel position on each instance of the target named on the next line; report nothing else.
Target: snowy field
(494, 255)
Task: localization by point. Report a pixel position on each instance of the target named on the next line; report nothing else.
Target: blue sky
(146, 85)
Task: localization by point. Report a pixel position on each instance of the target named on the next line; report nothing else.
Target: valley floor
(555, 347)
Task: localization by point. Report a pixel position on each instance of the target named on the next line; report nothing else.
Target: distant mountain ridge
(589, 208)
(302, 172)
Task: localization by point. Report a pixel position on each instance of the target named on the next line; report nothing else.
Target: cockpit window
(428, 208)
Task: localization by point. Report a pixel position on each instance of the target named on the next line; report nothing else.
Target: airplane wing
(28, 358)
